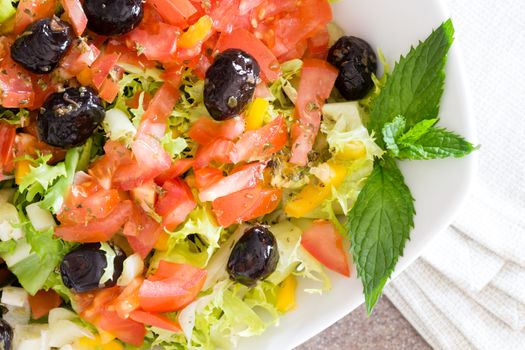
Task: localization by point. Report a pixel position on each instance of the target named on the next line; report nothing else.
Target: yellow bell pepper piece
(196, 33)
(162, 243)
(256, 113)
(352, 151)
(96, 343)
(313, 195)
(286, 294)
(84, 77)
(21, 170)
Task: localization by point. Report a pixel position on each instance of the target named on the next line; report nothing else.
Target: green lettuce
(284, 89)
(54, 197)
(40, 177)
(7, 10)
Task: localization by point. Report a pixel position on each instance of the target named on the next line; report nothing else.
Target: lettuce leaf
(6, 10)
(41, 177)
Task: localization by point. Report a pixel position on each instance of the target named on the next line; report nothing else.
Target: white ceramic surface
(439, 187)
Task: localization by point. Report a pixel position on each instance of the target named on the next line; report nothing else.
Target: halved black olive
(42, 45)
(230, 83)
(6, 335)
(356, 61)
(83, 268)
(113, 17)
(70, 117)
(254, 257)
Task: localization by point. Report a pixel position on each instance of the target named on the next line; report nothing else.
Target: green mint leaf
(415, 86)
(417, 131)
(392, 132)
(379, 226)
(437, 143)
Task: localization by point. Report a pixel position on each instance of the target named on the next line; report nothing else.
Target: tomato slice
(29, 11)
(43, 302)
(205, 130)
(109, 90)
(127, 330)
(142, 232)
(246, 205)
(317, 81)
(172, 287)
(128, 300)
(158, 42)
(97, 231)
(246, 41)
(206, 177)
(104, 168)
(154, 121)
(79, 57)
(102, 68)
(175, 12)
(318, 45)
(248, 177)
(326, 245)
(7, 146)
(145, 196)
(150, 156)
(175, 204)
(261, 143)
(16, 85)
(76, 14)
(178, 168)
(155, 320)
(218, 150)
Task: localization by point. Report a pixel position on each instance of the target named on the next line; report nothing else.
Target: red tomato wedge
(246, 205)
(317, 81)
(97, 231)
(127, 330)
(218, 150)
(175, 12)
(109, 90)
(206, 177)
(205, 130)
(261, 143)
(171, 288)
(154, 121)
(248, 42)
(326, 245)
(318, 45)
(76, 14)
(102, 68)
(175, 204)
(142, 232)
(248, 177)
(43, 302)
(7, 146)
(155, 320)
(178, 168)
(128, 299)
(150, 155)
(29, 11)
(104, 168)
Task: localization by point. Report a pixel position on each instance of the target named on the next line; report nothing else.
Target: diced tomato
(175, 204)
(318, 45)
(246, 41)
(178, 168)
(206, 177)
(175, 12)
(155, 320)
(102, 68)
(226, 17)
(172, 287)
(75, 13)
(154, 121)
(81, 56)
(158, 42)
(248, 177)
(29, 11)
(326, 245)
(300, 24)
(145, 196)
(151, 157)
(109, 90)
(128, 57)
(88, 201)
(43, 302)
(246, 205)
(297, 52)
(317, 81)
(100, 230)
(219, 150)
(16, 85)
(43, 87)
(127, 330)
(104, 168)
(28, 145)
(261, 143)
(128, 300)
(142, 232)
(91, 303)
(205, 130)
(7, 146)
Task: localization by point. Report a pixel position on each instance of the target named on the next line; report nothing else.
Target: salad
(171, 169)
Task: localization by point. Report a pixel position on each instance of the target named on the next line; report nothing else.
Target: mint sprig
(404, 114)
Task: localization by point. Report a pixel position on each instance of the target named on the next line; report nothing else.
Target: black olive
(42, 45)
(83, 268)
(230, 83)
(6, 335)
(254, 257)
(70, 117)
(356, 61)
(113, 17)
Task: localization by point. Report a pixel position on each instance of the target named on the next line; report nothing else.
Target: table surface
(385, 329)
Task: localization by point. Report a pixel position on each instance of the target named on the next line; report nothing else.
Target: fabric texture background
(467, 291)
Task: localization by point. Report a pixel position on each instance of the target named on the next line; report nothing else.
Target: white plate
(439, 187)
